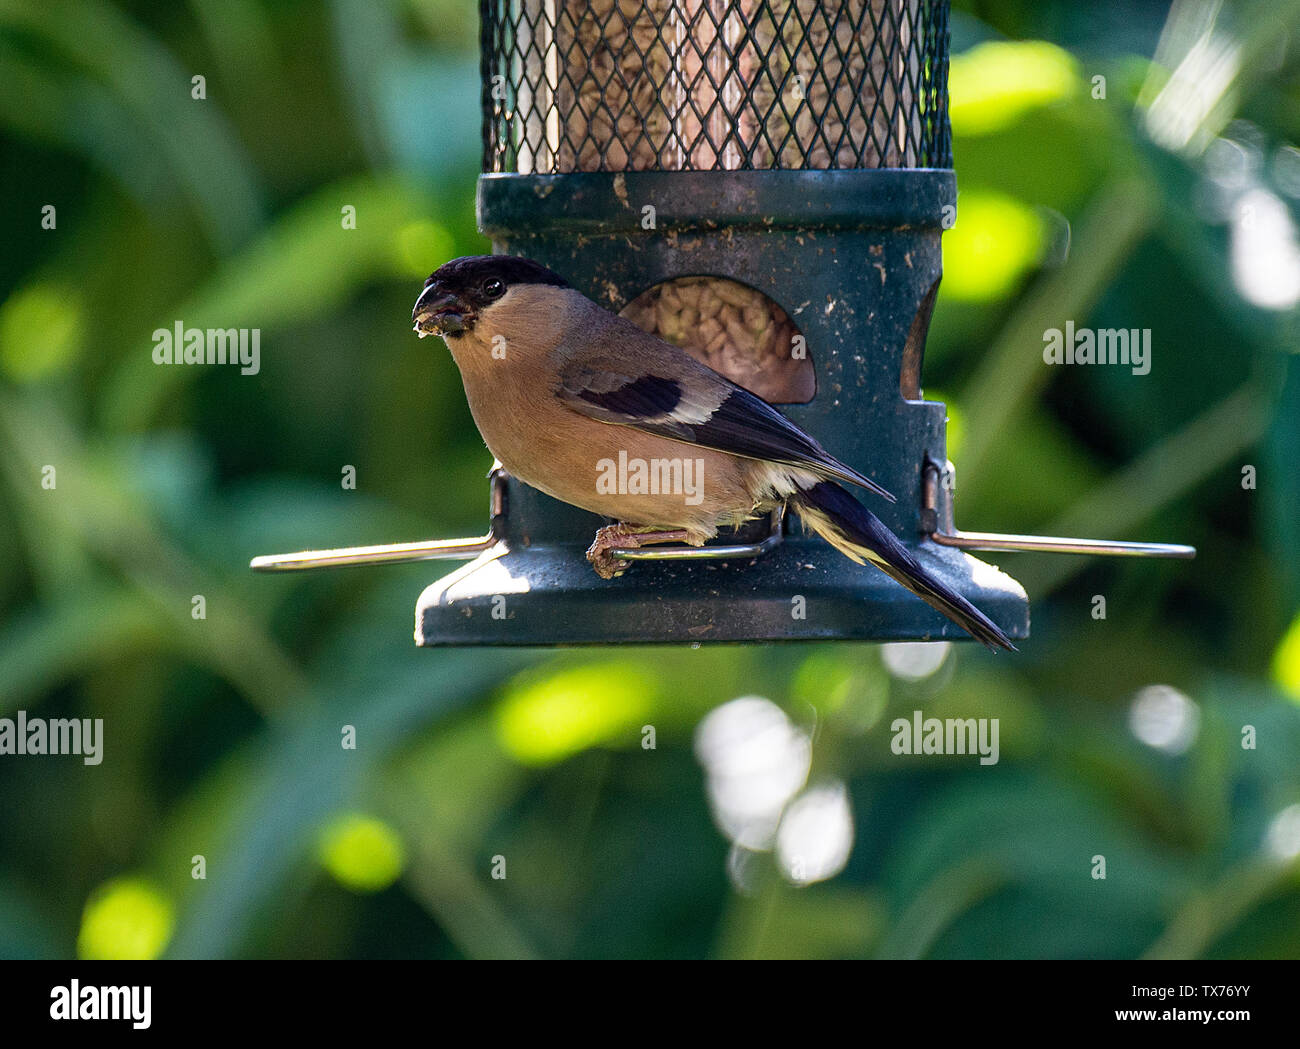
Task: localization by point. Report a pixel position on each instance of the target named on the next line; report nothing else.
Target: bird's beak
(438, 312)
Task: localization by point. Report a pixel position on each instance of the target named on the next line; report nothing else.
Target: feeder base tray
(801, 591)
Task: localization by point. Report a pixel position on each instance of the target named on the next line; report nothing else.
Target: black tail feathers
(857, 533)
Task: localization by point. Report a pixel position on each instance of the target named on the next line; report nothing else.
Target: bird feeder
(763, 183)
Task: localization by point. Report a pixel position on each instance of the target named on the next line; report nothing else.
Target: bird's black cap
(458, 291)
(466, 275)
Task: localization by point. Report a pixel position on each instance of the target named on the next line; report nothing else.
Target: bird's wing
(628, 377)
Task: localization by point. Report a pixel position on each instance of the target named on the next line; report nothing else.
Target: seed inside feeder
(735, 330)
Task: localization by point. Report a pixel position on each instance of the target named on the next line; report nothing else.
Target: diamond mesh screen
(708, 85)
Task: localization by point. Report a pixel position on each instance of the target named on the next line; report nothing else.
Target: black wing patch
(646, 397)
(745, 424)
(742, 423)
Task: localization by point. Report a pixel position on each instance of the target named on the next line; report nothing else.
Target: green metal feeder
(765, 183)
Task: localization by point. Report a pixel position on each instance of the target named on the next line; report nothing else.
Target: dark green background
(222, 734)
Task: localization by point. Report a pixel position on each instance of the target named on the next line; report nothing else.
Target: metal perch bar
(938, 517)
(397, 553)
(707, 553)
(464, 549)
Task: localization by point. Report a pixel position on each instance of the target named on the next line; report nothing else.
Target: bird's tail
(857, 533)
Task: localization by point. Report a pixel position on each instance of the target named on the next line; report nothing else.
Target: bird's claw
(609, 538)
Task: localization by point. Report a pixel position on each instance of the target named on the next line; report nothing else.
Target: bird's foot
(624, 536)
(611, 537)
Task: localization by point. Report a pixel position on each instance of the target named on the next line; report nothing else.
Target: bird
(562, 389)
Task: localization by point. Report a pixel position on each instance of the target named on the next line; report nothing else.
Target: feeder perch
(764, 183)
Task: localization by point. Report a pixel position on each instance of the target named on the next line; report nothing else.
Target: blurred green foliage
(222, 735)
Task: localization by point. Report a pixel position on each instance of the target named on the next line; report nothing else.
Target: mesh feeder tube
(763, 183)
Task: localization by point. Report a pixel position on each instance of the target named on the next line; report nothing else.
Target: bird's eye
(494, 288)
